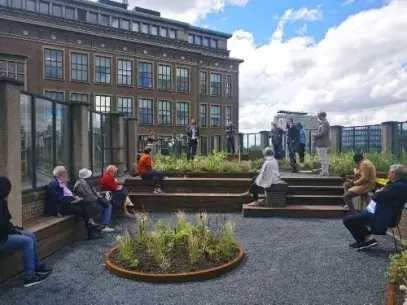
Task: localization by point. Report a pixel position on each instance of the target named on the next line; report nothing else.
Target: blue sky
(260, 17)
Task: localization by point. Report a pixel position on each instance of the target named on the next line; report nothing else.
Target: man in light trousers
(323, 141)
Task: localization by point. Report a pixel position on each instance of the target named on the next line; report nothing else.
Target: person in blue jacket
(302, 143)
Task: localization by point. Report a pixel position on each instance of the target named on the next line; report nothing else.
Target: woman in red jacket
(119, 193)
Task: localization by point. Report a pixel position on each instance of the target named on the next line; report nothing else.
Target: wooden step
(323, 200)
(302, 211)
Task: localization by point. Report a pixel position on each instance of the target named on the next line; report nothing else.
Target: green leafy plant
(126, 250)
(397, 271)
(194, 249)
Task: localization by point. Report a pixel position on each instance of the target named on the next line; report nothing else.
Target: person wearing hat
(13, 238)
(102, 208)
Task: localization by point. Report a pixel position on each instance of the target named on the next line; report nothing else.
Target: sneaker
(31, 280)
(367, 245)
(245, 194)
(107, 229)
(43, 270)
(355, 245)
(129, 203)
(158, 191)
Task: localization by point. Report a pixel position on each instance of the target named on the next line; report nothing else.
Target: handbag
(102, 200)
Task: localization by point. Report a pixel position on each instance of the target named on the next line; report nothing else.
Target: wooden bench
(52, 233)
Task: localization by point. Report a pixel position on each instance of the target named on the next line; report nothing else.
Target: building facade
(162, 72)
(309, 121)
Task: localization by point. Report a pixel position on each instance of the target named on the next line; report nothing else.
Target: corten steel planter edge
(390, 294)
(200, 275)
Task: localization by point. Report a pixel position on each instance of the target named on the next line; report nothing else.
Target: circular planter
(173, 277)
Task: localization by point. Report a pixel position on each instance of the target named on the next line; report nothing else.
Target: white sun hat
(84, 173)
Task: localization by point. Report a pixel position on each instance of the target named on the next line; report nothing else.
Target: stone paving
(289, 262)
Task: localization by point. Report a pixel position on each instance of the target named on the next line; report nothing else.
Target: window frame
(101, 16)
(201, 84)
(26, 6)
(220, 84)
(152, 110)
(131, 72)
(179, 82)
(206, 115)
(103, 95)
(231, 114)
(70, 66)
(16, 60)
(73, 10)
(228, 86)
(170, 79)
(44, 93)
(186, 117)
(160, 115)
(152, 74)
(220, 115)
(79, 93)
(118, 97)
(39, 7)
(44, 49)
(95, 56)
(96, 15)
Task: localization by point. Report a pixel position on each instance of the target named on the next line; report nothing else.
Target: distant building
(309, 121)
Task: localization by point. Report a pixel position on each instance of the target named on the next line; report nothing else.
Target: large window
(17, 4)
(102, 69)
(54, 63)
(203, 114)
(164, 112)
(183, 79)
(57, 10)
(145, 75)
(103, 103)
(125, 24)
(164, 77)
(216, 84)
(182, 113)
(12, 68)
(125, 106)
(79, 67)
(214, 43)
(228, 86)
(69, 12)
(80, 97)
(228, 114)
(30, 5)
(154, 30)
(145, 112)
(216, 115)
(92, 17)
(203, 83)
(144, 28)
(104, 20)
(44, 7)
(115, 22)
(125, 72)
(55, 95)
(172, 34)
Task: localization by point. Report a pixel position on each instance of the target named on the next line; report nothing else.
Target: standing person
(230, 136)
(323, 142)
(293, 136)
(303, 142)
(192, 139)
(277, 140)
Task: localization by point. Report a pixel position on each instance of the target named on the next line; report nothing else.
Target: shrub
(397, 271)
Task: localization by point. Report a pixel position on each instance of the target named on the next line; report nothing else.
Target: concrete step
(297, 211)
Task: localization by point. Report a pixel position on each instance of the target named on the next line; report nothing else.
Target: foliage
(397, 271)
(166, 242)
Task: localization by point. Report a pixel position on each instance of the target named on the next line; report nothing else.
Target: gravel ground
(289, 262)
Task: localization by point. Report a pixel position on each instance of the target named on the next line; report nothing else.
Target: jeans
(107, 213)
(292, 151)
(191, 149)
(323, 158)
(357, 224)
(231, 145)
(154, 175)
(301, 152)
(28, 245)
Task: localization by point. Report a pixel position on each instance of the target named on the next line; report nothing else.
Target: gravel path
(289, 262)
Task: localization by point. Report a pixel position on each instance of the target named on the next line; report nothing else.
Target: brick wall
(33, 204)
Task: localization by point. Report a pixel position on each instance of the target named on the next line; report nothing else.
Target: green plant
(126, 250)
(397, 271)
(226, 245)
(193, 249)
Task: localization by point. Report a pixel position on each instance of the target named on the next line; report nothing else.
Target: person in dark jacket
(277, 134)
(293, 142)
(13, 238)
(192, 131)
(382, 211)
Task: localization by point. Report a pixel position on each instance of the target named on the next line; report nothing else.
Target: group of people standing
(297, 142)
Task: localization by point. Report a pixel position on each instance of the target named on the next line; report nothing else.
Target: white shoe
(245, 194)
(129, 203)
(107, 229)
(158, 191)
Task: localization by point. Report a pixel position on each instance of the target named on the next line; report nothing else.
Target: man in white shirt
(192, 139)
(269, 174)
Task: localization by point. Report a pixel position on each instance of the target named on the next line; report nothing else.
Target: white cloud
(302, 30)
(347, 2)
(357, 71)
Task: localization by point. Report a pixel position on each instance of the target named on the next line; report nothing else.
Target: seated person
(269, 174)
(12, 238)
(146, 172)
(119, 193)
(364, 181)
(381, 212)
(60, 201)
(101, 208)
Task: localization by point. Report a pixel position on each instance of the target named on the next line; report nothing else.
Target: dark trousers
(231, 145)
(86, 209)
(191, 149)
(254, 190)
(301, 152)
(357, 224)
(292, 151)
(154, 175)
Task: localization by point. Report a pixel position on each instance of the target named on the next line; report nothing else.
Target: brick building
(163, 72)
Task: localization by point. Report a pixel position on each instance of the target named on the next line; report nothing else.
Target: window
(102, 69)
(55, 95)
(69, 12)
(203, 83)
(13, 69)
(172, 34)
(79, 67)
(54, 65)
(191, 38)
(145, 112)
(136, 26)
(182, 79)
(163, 32)
(30, 5)
(154, 30)
(228, 86)
(103, 103)
(216, 115)
(214, 43)
(115, 22)
(164, 112)
(198, 40)
(80, 97)
(17, 4)
(56, 10)
(82, 15)
(93, 17)
(104, 20)
(145, 75)
(182, 113)
(164, 77)
(228, 114)
(125, 106)
(144, 28)
(203, 115)
(3, 2)
(125, 24)
(205, 42)
(44, 7)
(125, 72)
(216, 81)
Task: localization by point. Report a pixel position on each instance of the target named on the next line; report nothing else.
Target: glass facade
(362, 138)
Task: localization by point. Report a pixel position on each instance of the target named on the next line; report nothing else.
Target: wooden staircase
(308, 196)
